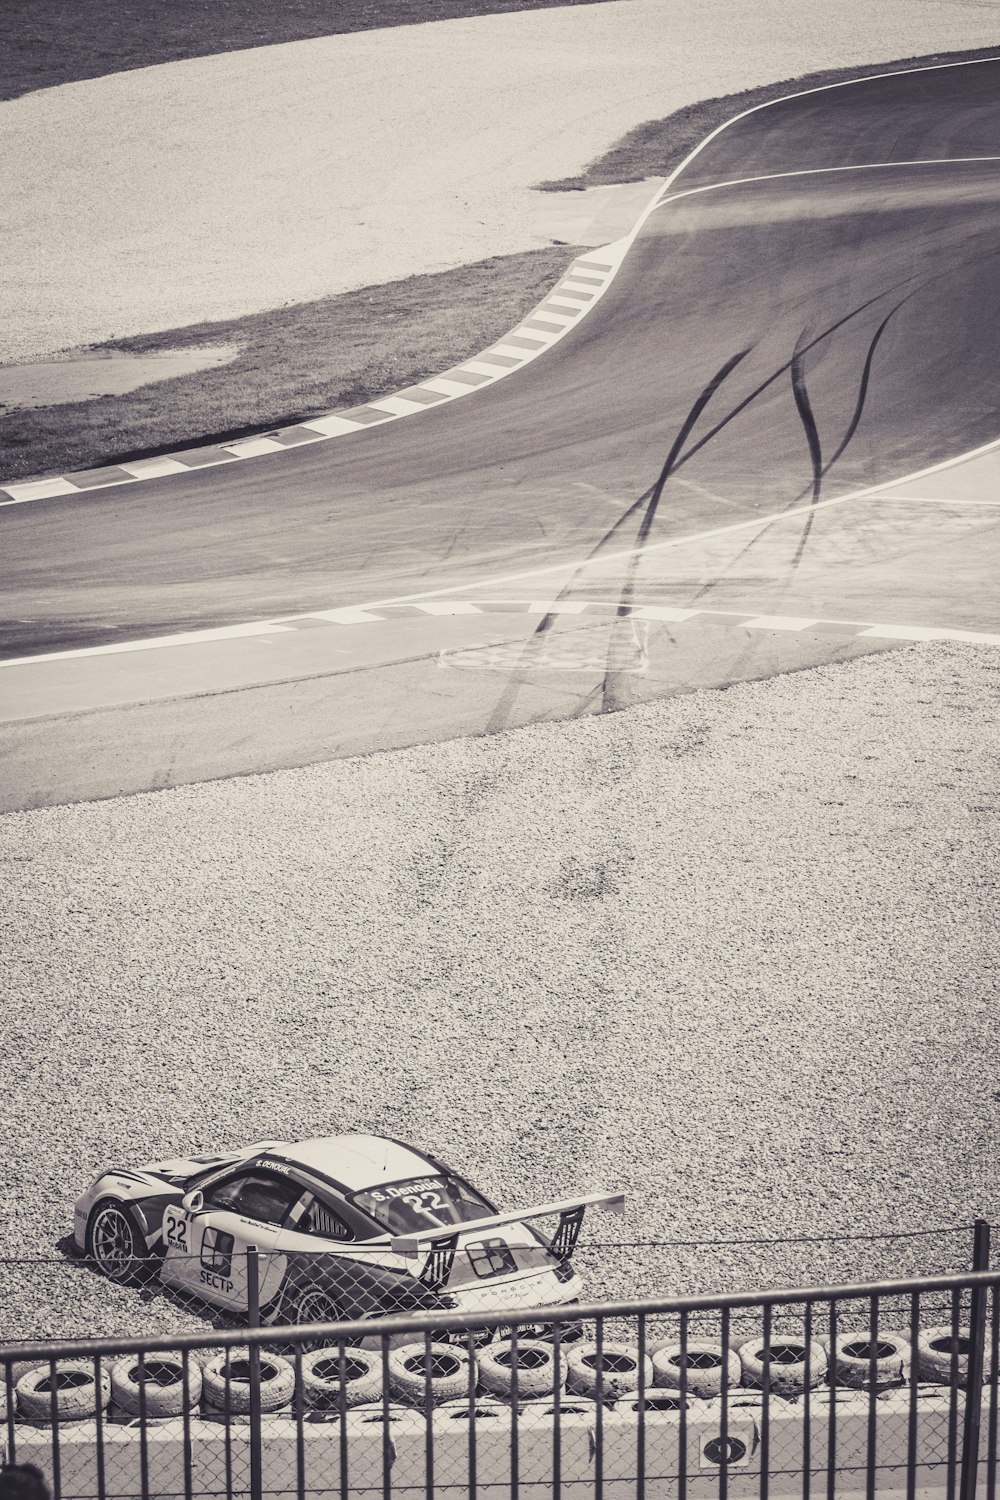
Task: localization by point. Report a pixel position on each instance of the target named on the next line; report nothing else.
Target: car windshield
(422, 1203)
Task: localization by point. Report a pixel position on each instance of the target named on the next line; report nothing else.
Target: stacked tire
(607, 1372)
(226, 1382)
(68, 1390)
(942, 1355)
(530, 1366)
(859, 1360)
(783, 1364)
(336, 1378)
(440, 1372)
(159, 1385)
(699, 1368)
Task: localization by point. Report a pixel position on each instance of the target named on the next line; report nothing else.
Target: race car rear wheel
(115, 1242)
(309, 1305)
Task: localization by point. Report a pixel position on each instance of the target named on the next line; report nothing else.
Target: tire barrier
(618, 1374)
(448, 1376)
(68, 1392)
(941, 1349)
(538, 1374)
(700, 1365)
(787, 1365)
(336, 1377)
(226, 1382)
(790, 1365)
(852, 1360)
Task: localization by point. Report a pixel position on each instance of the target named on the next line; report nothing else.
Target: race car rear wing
(443, 1242)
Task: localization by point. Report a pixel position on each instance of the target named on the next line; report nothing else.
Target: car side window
(255, 1195)
(323, 1222)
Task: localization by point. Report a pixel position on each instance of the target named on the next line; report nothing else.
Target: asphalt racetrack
(812, 310)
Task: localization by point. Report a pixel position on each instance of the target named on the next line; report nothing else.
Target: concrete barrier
(347, 1456)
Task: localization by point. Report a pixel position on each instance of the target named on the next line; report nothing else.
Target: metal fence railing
(853, 1389)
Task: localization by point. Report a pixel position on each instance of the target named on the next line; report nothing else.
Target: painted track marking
(872, 492)
(868, 166)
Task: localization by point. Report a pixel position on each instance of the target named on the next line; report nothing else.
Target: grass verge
(48, 42)
(296, 362)
(658, 147)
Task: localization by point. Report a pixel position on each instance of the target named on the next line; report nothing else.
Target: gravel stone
(734, 953)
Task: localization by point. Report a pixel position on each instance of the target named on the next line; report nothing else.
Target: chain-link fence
(845, 1390)
(201, 1280)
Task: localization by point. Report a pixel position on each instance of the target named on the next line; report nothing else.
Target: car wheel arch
(145, 1258)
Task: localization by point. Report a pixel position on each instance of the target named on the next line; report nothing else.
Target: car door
(207, 1247)
(317, 1240)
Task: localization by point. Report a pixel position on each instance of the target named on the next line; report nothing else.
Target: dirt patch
(94, 375)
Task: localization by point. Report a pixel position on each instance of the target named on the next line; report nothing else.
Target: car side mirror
(194, 1201)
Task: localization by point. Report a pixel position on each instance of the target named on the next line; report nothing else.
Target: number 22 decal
(419, 1205)
(175, 1230)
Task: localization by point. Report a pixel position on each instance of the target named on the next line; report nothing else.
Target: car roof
(355, 1162)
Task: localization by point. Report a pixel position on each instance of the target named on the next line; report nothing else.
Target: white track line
(872, 492)
(643, 613)
(865, 166)
(823, 88)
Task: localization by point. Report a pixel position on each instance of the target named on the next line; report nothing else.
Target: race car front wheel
(116, 1244)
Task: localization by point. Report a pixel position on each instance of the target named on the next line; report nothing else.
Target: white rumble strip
(584, 283)
(354, 615)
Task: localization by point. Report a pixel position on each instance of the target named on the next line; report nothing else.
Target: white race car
(345, 1226)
